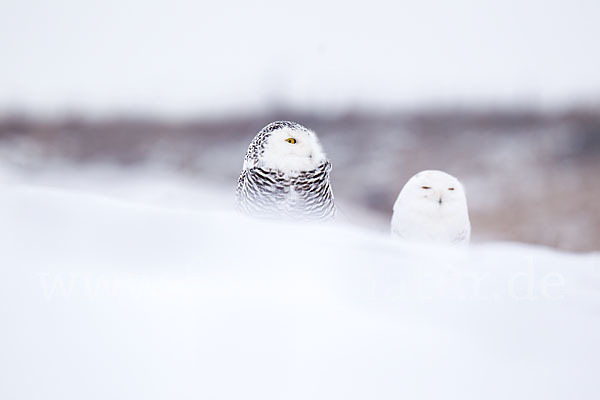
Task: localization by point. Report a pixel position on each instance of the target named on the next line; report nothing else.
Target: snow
(187, 58)
(153, 288)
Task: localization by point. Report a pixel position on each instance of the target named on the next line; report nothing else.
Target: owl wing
(314, 190)
(463, 236)
(262, 192)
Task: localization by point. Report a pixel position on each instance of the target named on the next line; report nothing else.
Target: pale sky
(191, 57)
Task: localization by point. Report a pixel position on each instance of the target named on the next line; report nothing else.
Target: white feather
(432, 207)
(304, 155)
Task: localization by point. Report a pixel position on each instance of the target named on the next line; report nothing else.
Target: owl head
(287, 147)
(433, 192)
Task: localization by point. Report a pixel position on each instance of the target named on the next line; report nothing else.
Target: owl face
(292, 149)
(434, 191)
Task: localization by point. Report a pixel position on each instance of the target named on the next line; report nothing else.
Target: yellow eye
(291, 140)
(425, 187)
(450, 188)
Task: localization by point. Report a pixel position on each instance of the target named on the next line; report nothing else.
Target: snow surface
(151, 287)
(188, 57)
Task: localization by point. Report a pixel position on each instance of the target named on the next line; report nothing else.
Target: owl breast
(271, 194)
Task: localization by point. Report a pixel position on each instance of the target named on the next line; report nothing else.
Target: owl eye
(450, 188)
(291, 140)
(425, 187)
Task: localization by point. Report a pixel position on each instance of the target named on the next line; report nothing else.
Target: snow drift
(131, 292)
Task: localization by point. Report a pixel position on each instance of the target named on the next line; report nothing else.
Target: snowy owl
(286, 175)
(432, 207)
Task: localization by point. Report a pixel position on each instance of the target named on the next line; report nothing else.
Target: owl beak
(440, 201)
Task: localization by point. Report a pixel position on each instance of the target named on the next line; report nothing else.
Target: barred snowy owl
(432, 207)
(286, 175)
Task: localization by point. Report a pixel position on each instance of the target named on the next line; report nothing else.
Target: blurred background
(505, 96)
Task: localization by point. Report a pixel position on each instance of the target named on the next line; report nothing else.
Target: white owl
(286, 175)
(432, 207)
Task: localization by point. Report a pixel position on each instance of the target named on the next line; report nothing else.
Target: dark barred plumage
(268, 193)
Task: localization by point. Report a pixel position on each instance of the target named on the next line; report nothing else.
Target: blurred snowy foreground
(152, 288)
